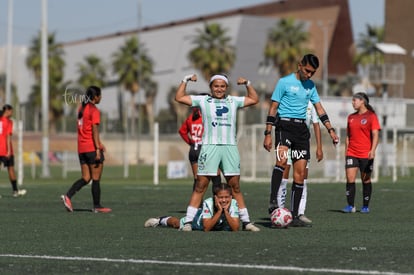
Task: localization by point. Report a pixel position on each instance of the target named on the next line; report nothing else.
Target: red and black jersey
(91, 116)
(359, 132)
(191, 130)
(6, 129)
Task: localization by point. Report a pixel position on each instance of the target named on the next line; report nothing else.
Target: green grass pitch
(38, 236)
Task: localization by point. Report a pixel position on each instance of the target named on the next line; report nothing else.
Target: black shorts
(294, 134)
(194, 153)
(365, 165)
(7, 161)
(89, 158)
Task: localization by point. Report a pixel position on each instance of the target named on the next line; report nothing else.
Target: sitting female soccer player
(220, 213)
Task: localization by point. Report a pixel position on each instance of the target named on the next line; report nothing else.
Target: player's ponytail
(90, 94)
(365, 98)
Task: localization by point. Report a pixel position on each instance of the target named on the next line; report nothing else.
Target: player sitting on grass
(219, 213)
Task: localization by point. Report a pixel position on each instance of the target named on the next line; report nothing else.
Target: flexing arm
(181, 95)
(251, 98)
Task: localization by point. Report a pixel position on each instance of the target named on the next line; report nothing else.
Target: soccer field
(38, 236)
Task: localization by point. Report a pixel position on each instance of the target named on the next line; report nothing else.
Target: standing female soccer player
(90, 151)
(361, 142)
(219, 150)
(6, 148)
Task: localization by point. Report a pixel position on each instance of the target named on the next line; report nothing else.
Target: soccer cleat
(152, 222)
(304, 219)
(19, 193)
(101, 209)
(187, 227)
(67, 203)
(251, 227)
(365, 210)
(296, 222)
(349, 209)
(272, 208)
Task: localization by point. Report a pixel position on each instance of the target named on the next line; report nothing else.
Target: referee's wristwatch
(266, 132)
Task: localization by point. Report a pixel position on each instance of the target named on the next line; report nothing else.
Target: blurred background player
(311, 118)
(191, 131)
(6, 148)
(219, 213)
(361, 142)
(91, 151)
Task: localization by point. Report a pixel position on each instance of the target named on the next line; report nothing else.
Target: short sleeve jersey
(294, 95)
(91, 116)
(208, 213)
(6, 129)
(359, 132)
(192, 127)
(219, 118)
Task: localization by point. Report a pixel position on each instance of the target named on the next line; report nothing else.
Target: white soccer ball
(281, 217)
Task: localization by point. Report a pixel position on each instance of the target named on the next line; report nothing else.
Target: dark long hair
(90, 94)
(220, 187)
(5, 108)
(365, 98)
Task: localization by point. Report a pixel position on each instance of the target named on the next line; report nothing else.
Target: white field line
(179, 263)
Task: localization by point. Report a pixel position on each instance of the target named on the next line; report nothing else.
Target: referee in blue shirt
(290, 100)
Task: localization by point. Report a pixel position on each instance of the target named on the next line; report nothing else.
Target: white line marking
(179, 263)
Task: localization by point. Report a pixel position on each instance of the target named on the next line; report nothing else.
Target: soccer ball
(281, 217)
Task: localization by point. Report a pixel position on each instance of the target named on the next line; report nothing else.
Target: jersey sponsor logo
(220, 110)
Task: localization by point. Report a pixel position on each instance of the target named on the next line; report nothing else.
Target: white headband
(219, 76)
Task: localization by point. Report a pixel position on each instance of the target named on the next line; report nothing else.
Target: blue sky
(79, 19)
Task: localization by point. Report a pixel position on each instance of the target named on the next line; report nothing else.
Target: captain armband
(324, 118)
(270, 120)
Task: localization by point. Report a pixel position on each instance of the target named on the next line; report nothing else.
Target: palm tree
(285, 44)
(56, 85)
(212, 53)
(132, 64)
(92, 72)
(14, 96)
(367, 53)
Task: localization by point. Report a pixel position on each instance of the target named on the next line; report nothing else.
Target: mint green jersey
(219, 118)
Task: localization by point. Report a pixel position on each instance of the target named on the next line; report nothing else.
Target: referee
(290, 99)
